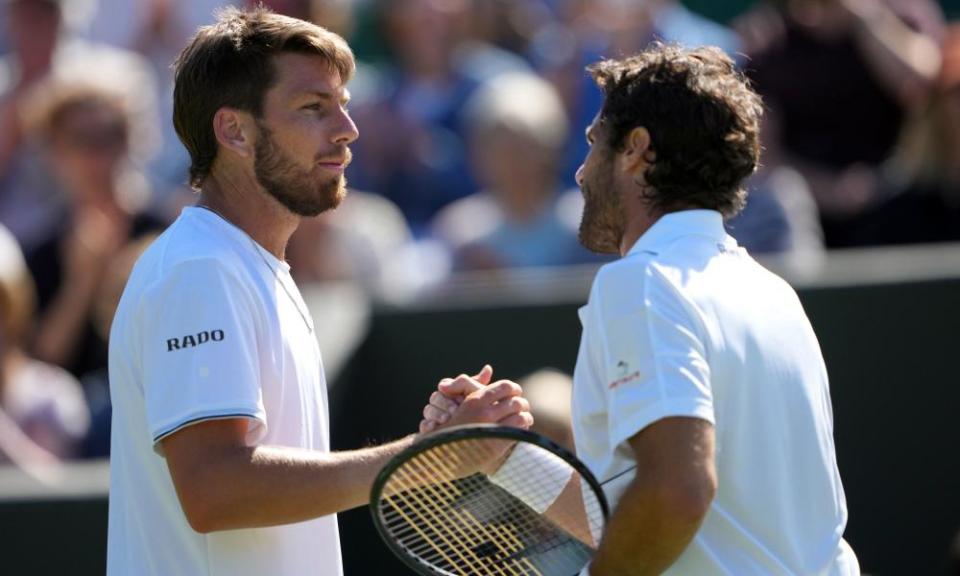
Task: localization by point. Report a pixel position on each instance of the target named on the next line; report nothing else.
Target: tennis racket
(483, 500)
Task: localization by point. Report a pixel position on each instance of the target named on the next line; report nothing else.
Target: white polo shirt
(687, 324)
(210, 326)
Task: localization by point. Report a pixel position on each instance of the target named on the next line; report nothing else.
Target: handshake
(474, 400)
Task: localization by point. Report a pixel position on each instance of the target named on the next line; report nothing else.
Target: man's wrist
(513, 475)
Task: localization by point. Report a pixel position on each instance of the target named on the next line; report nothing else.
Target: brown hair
(230, 63)
(702, 116)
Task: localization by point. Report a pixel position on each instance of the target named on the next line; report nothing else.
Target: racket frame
(467, 432)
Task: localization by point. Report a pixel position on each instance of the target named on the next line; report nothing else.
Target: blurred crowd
(471, 114)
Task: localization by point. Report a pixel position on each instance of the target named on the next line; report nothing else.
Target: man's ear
(637, 151)
(234, 130)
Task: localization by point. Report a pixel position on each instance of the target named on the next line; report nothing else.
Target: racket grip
(533, 475)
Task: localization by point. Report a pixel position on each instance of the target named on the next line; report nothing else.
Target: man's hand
(442, 405)
(472, 400)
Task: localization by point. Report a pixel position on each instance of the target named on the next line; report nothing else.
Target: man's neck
(637, 226)
(248, 207)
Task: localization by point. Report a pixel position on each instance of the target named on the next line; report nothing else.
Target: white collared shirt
(687, 324)
(210, 326)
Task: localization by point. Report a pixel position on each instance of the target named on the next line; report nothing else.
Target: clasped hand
(474, 400)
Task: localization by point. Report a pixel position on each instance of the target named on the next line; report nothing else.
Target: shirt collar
(235, 232)
(675, 225)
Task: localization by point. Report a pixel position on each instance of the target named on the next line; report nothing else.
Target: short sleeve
(199, 351)
(654, 363)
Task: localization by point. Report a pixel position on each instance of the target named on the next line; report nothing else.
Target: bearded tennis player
(220, 460)
(700, 395)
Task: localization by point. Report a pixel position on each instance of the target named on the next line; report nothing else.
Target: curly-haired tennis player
(700, 393)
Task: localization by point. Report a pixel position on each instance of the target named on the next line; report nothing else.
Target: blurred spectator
(334, 15)
(43, 417)
(30, 205)
(96, 383)
(780, 216)
(357, 242)
(411, 150)
(597, 29)
(28, 200)
(86, 134)
(918, 196)
(517, 129)
(512, 25)
(626, 26)
(157, 29)
(478, 55)
(146, 25)
(549, 392)
(839, 77)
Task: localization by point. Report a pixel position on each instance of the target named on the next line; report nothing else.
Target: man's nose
(346, 131)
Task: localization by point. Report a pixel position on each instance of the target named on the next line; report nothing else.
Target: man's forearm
(646, 534)
(267, 485)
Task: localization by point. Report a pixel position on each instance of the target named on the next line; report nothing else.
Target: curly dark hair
(702, 116)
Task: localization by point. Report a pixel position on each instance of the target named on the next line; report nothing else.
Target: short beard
(298, 190)
(604, 222)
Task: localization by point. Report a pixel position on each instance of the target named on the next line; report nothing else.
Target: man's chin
(341, 192)
(599, 241)
(328, 197)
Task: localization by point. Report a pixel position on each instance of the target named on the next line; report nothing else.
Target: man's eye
(314, 106)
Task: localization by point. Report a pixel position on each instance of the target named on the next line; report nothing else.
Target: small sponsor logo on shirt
(624, 379)
(193, 340)
(623, 369)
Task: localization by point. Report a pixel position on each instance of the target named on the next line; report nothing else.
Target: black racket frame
(467, 432)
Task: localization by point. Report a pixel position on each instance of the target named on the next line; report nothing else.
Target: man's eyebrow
(328, 96)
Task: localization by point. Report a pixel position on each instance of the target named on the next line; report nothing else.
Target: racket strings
(475, 543)
(474, 535)
(541, 479)
(537, 537)
(494, 541)
(443, 510)
(540, 471)
(432, 537)
(443, 495)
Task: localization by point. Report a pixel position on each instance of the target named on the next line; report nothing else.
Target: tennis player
(700, 391)
(220, 462)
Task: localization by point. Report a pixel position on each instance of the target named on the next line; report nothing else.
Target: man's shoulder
(187, 248)
(621, 284)
(630, 270)
(644, 277)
